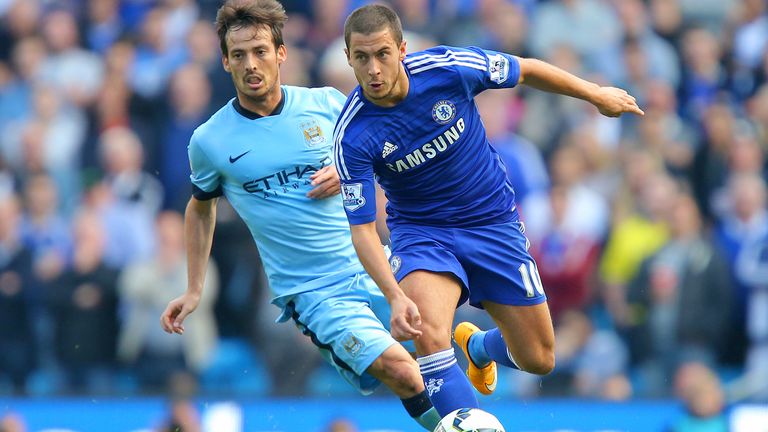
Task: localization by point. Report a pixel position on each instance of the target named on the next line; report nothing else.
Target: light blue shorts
(349, 323)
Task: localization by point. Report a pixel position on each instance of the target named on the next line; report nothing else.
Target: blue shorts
(491, 261)
(348, 321)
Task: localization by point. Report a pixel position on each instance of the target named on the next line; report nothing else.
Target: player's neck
(263, 106)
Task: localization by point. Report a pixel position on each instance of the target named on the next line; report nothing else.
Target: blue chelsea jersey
(429, 153)
(263, 167)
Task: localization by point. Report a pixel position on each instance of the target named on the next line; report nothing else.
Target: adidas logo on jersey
(388, 149)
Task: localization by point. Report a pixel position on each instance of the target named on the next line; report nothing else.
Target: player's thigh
(340, 322)
(436, 295)
(528, 332)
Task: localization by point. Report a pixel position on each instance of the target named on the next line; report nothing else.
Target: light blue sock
(420, 408)
(447, 386)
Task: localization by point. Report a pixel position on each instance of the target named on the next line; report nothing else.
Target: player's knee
(403, 377)
(542, 362)
(433, 339)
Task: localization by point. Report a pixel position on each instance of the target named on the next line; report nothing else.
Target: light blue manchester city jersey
(262, 166)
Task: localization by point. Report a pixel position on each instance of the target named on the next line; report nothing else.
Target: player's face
(254, 63)
(377, 61)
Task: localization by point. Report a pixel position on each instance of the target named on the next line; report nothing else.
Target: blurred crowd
(650, 233)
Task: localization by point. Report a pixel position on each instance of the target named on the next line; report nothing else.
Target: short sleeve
(358, 189)
(335, 99)
(204, 177)
(499, 70)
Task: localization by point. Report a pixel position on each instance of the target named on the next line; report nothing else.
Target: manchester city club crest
(352, 344)
(443, 111)
(313, 134)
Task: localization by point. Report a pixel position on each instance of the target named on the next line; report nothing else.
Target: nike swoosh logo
(491, 387)
(234, 159)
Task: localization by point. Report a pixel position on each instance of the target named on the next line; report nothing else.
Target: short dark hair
(373, 18)
(235, 14)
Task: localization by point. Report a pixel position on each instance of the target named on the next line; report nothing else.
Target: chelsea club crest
(443, 111)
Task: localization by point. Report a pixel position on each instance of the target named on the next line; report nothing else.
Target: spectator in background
(637, 30)
(183, 417)
(22, 19)
(17, 338)
(699, 389)
(665, 132)
(104, 26)
(567, 259)
(744, 156)
(79, 73)
(203, 51)
(498, 25)
(122, 158)
(680, 301)
(44, 229)
(709, 169)
(130, 235)
(703, 76)
(155, 59)
(48, 142)
(757, 109)
(83, 302)
(750, 40)
(635, 236)
(190, 98)
(27, 57)
(591, 361)
(588, 211)
(525, 166)
(743, 235)
(327, 22)
(144, 288)
(547, 118)
(588, 27)
(181, 16)
(667, 19)
(12, 423)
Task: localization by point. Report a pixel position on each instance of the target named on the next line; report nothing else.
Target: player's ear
(402, 50)
(225, 63)
(282, 54)
(346, 53)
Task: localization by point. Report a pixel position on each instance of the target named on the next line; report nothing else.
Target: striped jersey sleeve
(354, 165)
(478, 68)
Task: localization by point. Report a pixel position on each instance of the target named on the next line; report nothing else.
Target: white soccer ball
(469, 420)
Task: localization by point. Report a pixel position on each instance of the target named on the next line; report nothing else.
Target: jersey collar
(252, 115)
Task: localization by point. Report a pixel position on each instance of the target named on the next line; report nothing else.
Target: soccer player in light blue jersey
(269, 152)
(412, 125)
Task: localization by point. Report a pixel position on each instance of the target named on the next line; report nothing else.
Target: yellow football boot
(483, 379)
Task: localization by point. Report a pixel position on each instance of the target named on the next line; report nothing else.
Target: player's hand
(613, 102)
(405, 320)
(172, 320)
(326, 183)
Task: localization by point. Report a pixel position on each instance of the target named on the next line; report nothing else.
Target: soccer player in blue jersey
(269, 152)
(412, 125)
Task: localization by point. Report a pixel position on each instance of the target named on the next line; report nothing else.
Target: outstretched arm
(199, 224)
(405, 318)
(610, 101)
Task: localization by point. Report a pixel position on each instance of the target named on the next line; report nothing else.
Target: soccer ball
(469, 420)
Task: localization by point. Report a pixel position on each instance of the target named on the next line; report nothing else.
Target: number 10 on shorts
(531, 278)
